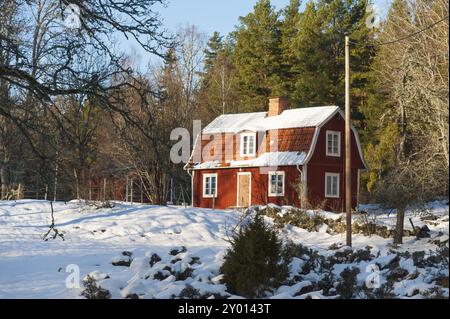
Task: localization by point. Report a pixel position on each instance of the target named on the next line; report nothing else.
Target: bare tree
(413, 65)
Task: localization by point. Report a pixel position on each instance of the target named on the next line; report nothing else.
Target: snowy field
(158, 251)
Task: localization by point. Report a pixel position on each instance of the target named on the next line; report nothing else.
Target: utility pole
(348, 192)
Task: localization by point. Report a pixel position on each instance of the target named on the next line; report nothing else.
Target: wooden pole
(90, 188)
(104, 189)
(77, 183)
(348, 193)
(126, 191)
(131, 190)
(142, 194)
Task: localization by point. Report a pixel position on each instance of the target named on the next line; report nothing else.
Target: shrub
(347, 286)
(190, 292)
(255, 262)
(92, 291)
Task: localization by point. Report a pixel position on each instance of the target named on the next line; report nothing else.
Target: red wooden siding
(227, 188)
(320, 164)
(295, 139)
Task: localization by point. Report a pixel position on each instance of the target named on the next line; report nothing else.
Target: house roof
(297, 132)
(269, 159)
(295, 118)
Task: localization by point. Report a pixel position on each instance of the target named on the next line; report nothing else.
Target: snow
(303, 117)
(230, 123)
(185, 239)
(269, 159)
(273, 159)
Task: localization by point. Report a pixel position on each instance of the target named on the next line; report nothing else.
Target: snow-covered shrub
(124, 260)
(346, 287)
(255, 262)
(92, 291)
(190, 293)
(154, 259)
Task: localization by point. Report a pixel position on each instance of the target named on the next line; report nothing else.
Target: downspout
(301, 181)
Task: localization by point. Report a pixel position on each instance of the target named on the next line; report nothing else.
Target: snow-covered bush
(255, 262)
(94, 291)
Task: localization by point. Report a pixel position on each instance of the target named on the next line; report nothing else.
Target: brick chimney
(277, 105)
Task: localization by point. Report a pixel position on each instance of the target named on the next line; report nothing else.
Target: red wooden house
(283, 156)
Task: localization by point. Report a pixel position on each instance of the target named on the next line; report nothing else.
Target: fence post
(131, 190)
(90, 189)
(104, 189)
(142, 194)
(46, 191)
(126, 191)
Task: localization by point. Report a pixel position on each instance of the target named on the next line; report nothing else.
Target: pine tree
(289, 32)
(214, 46)
(320, 51)
(257, 56)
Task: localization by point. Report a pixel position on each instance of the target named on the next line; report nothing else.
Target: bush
(255, 262)
(92, 291)
(346, 288)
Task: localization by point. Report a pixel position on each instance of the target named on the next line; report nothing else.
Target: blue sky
(217, 15)
(212, 15)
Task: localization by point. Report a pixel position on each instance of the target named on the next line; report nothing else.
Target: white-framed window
(276, 183)
(248, 144)
(333, 143)
(332, 185)
(210, 185)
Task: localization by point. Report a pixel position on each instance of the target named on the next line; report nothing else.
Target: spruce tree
(257, 56)
(289, 59)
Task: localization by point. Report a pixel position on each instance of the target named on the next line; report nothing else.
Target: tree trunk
(4, 181)
(398, 236)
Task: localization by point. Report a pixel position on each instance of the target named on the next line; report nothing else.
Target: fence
(126, 190)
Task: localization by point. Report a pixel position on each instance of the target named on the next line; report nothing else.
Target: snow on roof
(304, 117)
(229, 123)
(264, 160)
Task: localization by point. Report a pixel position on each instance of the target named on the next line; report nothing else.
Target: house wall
(227, 187)
(320, 164)
(289, 140)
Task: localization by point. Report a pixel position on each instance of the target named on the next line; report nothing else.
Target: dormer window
(333, 144)
(248, 144)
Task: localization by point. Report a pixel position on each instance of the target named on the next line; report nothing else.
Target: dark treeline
(76, 117)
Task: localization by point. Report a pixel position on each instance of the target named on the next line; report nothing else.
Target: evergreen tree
(289, 32)
(257, 56)
(214, 47)
(320, 52)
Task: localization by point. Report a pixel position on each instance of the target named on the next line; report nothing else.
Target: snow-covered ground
(190, 242)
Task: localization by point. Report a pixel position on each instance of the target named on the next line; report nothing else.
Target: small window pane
(328, 185)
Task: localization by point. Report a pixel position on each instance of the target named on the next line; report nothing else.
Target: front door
(243, 189)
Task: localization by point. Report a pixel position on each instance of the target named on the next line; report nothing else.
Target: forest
(79, 120)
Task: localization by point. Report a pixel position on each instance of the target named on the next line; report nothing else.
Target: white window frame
(337, 185)
(333, 133)
(248, 146)
(281, 173)
(204, 185)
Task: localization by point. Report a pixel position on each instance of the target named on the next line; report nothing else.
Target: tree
(255, 262)
(219, 92)
(290, 27)
(214, 46)
(257, 56)
(408, 185)
(320, 51)
(412, 66)
(51, 62)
